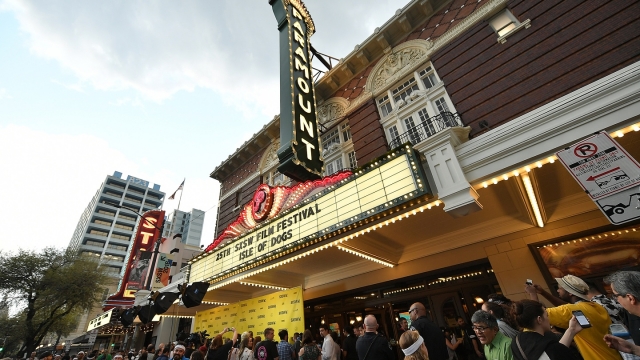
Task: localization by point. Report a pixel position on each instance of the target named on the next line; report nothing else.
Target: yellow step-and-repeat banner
(280, 310)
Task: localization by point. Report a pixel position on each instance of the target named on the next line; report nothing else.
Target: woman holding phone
(536, 338)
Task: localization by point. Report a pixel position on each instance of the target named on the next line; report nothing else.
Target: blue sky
(160, 90)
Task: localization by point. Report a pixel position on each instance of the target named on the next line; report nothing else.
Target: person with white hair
(625, 286)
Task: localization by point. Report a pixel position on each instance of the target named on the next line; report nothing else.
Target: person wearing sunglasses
(433, 338)
(625, 286)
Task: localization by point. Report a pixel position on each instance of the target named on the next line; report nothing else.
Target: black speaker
(163, 302)
(127, 316)
(146, 314)
(194, 293)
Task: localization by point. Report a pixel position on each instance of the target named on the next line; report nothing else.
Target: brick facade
(570, 44)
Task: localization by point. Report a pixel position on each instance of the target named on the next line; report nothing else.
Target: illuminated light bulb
(619, 133)
(505, 176)
(636, 128)
(495, 181)
(551, 159)
(539, 164)
(484, 184)
(429, 206)
(516, 173)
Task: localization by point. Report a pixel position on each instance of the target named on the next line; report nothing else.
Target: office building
(107, 225)
(188, 224)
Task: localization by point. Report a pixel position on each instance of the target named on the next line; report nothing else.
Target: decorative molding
(299, 5)
(270, 157)
(332, 110)
(607, 103)
(401, 61)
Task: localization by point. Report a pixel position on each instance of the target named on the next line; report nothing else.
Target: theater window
(416, 108)
(337, 149)
(505, 24)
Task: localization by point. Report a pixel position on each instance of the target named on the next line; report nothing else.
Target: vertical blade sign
(300, 152)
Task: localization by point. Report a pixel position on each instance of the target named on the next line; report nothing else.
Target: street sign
(93, 336)
(100, 320)
(601, 166)
(621, 207)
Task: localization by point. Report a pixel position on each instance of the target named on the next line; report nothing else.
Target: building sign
(280, 310)
(138, 260)
(100, 320)
(162, 272)
(388, 182)
(300, 153)
(136, 181)
(601, 166)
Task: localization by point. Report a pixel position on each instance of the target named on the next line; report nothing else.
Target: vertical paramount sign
(300, 153)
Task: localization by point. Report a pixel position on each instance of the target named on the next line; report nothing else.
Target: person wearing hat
(47, 355)
(575, 291)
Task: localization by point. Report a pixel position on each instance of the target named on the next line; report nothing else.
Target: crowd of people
(582, 323)
(577, 326)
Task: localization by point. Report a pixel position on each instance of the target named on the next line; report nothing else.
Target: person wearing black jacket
(536, 338)
(372, 345)
(433, 337)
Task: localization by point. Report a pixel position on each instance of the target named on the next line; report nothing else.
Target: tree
(47, 287)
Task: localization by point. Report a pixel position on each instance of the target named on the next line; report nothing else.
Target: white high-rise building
(188, 224)
(107, 225)
(106, 229)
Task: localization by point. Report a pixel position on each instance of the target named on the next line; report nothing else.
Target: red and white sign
(601, 166)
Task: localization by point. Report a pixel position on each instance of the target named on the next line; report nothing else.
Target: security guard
(371, 345)
(430, 332)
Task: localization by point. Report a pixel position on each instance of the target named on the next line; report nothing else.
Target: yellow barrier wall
(280, 310)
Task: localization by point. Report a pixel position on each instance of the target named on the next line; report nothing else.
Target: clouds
(48, 180)
(162, 47)
(142, 53)
(155, 48)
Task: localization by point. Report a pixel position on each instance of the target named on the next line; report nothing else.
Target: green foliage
(49, 288)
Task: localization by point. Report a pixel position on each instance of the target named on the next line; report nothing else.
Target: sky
(160, 90)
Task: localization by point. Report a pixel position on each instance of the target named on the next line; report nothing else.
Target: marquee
(389, 181)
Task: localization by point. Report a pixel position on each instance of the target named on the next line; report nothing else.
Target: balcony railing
(427, 128)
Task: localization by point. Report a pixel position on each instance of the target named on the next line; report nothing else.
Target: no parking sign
(607, 173)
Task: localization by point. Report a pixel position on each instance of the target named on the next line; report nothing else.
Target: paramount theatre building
(440, 180)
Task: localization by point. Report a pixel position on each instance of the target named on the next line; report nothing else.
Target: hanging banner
(280, 310)
(300, 150)
(162, 272)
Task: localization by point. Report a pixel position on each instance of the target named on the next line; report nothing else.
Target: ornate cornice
(398, 63)
(332, 110)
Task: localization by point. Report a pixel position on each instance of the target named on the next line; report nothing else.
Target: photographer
(220, 351)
